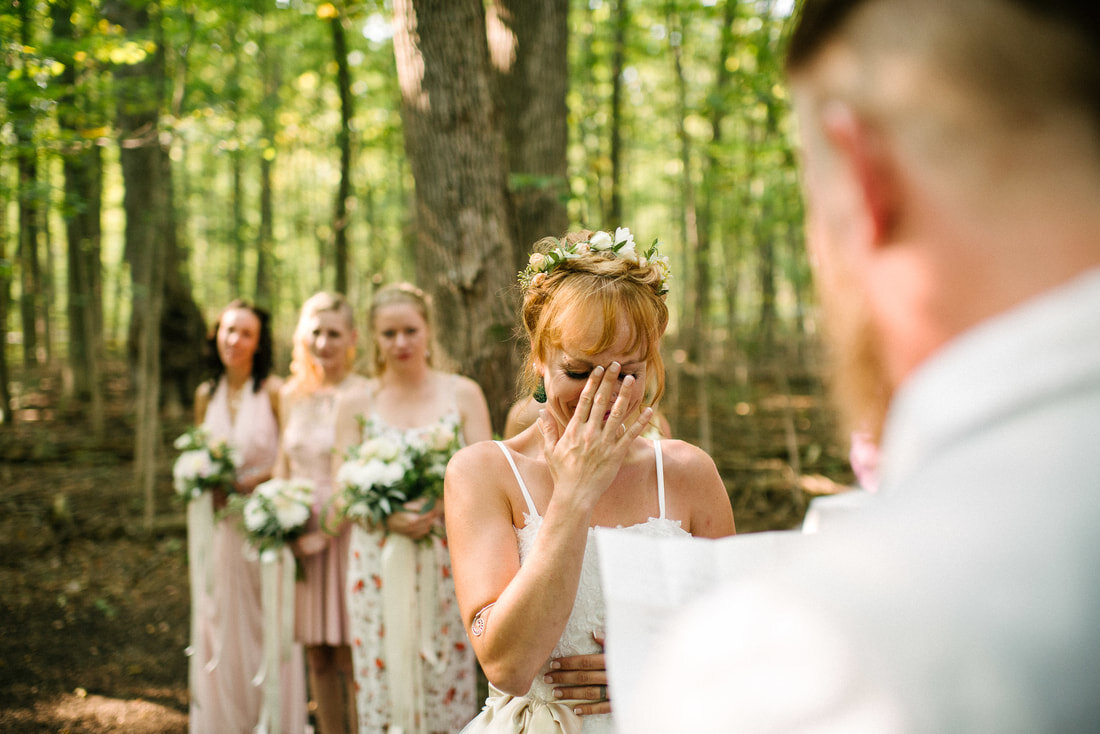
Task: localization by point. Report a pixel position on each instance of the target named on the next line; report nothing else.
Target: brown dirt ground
(94, 608)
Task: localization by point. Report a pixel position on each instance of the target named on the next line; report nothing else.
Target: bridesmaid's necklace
(233, 398)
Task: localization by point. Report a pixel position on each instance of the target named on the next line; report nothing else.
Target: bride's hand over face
(585, 457)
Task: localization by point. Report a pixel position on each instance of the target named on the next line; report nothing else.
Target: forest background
(158, 159)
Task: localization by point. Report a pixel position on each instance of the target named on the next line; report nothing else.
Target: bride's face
(568, 367)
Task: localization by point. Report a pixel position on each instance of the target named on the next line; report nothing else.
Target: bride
(520, 512)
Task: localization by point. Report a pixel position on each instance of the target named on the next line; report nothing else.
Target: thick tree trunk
(465, 254)
(528, 47)
(140, 89)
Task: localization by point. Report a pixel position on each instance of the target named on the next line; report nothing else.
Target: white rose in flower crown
(622, 234)
(536, 259)
(628, 253)
(600, 241)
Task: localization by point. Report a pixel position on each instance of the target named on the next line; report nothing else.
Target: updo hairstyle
(596, 287)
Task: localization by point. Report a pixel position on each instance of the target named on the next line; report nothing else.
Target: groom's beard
(858, 382)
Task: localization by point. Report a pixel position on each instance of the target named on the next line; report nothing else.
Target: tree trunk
(236, 160)
(706, 203)
(528, 47)
(23, 121)
(271, 72)
(140, 90)
(6, 415)
(82, 164)
(464, 247)
(694, 251)
(614, 216)
(340, 220)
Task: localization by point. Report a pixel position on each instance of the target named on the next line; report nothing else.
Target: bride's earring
(540, 392)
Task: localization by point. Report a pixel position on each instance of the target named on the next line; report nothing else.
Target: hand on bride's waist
(582, 678)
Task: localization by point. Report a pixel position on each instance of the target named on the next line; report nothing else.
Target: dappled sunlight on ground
(79, 712)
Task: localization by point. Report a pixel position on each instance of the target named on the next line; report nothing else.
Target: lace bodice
(588, 615)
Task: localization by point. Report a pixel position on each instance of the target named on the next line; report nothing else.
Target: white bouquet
(203, 465)
(275, 513)
(382, 474)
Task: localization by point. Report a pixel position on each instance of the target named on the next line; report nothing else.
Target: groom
(951, 153)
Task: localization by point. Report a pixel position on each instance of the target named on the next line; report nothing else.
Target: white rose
(290, 513)
(536, 259)
(182, 442)
(271, 488)
(439, 437)
(347, 474)
(382, 448)
(192, 465)
(255, 516)
(300, 490)
(622, 234)
(601, 241)
(391, 473)
(628, 253)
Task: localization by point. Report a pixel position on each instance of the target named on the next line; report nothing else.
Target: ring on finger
(601, 693)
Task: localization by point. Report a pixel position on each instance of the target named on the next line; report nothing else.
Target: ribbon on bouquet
(409, 614)
(277, 599)
(200, 539)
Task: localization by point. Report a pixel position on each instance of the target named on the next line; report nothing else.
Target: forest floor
(94, 607)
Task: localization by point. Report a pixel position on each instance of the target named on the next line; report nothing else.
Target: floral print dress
(443, 681)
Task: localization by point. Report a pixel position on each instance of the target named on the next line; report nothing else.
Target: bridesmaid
(238, 405)
(321, 378)
(414, 669)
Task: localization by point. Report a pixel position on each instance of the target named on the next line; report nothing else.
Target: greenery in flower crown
(620, 245)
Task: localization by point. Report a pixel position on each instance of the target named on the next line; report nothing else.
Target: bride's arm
(530, 603)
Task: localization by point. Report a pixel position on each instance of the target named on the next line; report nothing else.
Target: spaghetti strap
(519, 479)
(660, 477)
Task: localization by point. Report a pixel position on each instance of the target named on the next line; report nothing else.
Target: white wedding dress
(538, 712)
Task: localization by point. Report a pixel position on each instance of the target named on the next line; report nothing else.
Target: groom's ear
(866, 158)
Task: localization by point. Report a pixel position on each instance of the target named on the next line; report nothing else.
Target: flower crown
(621, 246)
